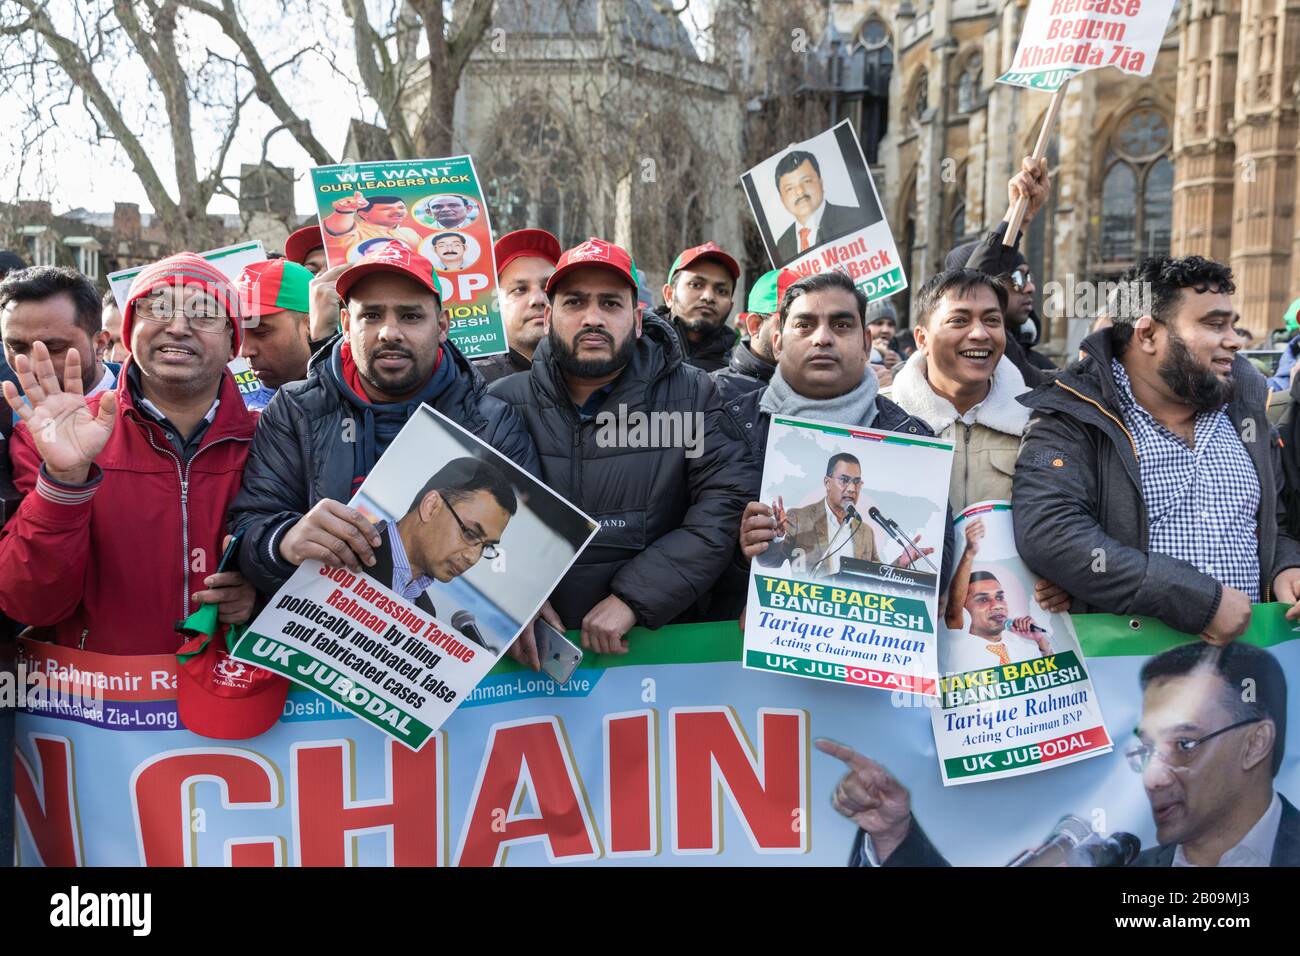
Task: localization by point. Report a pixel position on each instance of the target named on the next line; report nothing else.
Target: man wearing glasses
(1210, 742)
(457, 518)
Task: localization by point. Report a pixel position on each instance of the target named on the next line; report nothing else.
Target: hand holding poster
(848, 590)
(1062, 38)
(1015, 696)
(470, 547)
(434, 207)
(818, 209)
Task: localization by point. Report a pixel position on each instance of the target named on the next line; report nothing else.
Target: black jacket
(1078, 495)
(499, 366)
(299, 455)
(709, 354)
(744, 372)
(668, 522)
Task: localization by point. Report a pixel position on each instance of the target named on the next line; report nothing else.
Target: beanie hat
(183, 269)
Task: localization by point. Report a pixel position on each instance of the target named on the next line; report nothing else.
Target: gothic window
(970, 83)
(532, 177)
(921, 96)
(1136, 191)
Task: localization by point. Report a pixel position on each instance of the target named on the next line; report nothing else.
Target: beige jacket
(984, 454)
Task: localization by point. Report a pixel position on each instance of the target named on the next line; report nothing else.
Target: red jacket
(111, 566)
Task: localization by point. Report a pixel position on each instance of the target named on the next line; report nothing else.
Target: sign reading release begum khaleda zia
(434, 207)
(1062, 38)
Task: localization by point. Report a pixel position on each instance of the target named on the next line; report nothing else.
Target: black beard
(697, 325)
(402, 385)
(1197, 386)
(575, 367)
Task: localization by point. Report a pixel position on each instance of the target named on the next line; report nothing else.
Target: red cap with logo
(394, 257)
(300, 244)
(594, 252)
(218, 696)
(709, 250)
(537, 243)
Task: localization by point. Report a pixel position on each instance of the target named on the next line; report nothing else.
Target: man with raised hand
(127, 520)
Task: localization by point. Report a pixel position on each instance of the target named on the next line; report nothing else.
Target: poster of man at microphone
(848, 589)
(1016, 696)
(470, 547)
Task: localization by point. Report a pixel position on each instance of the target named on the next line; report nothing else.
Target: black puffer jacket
(711, 352)
(745, 372)
(668, 522)
(299, 456)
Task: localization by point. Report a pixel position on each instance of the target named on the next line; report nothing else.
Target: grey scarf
(857, 408)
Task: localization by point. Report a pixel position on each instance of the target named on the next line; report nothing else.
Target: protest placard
(1062, 38)
(848, 590)
(818, 210)
(471, 545)
(436, 208)
(1015, 696)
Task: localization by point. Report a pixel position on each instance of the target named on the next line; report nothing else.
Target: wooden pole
(1040, 150)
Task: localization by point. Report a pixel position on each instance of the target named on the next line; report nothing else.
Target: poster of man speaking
(817, 209)
(433, 207)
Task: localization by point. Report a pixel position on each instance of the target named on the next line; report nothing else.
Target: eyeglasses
(845, 481)
(1176, 754)
(165, 315)
(1020, 279)
(472, 538)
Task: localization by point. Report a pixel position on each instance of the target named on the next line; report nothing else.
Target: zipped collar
(232, 418)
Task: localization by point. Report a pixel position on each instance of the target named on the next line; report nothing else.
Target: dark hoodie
(315, 435)
(745, 372)
(711, 352)
(669, 516)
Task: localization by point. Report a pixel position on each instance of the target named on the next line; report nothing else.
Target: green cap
(1292, 317)
(762, 294)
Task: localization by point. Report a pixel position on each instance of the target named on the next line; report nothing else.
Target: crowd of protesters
(1146, 477)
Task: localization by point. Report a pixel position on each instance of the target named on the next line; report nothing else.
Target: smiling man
(360, 218)
(697, 300)
(319, 439)
(1153, 460)
(120, 537)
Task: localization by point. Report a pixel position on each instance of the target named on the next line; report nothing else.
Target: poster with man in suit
(817, 209)
(470, 547)
(848, 589)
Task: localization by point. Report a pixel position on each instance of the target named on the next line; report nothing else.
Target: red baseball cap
(273, 286)
(537, 243)
(709, 250)
(301, 243)
(218, 696)
(595, 252)
(393, 257)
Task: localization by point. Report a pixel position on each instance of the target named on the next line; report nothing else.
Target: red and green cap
(762, 295)
(784, 279)
(708, 250)
(1292, 317)
(218, 696)
(273, 286)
